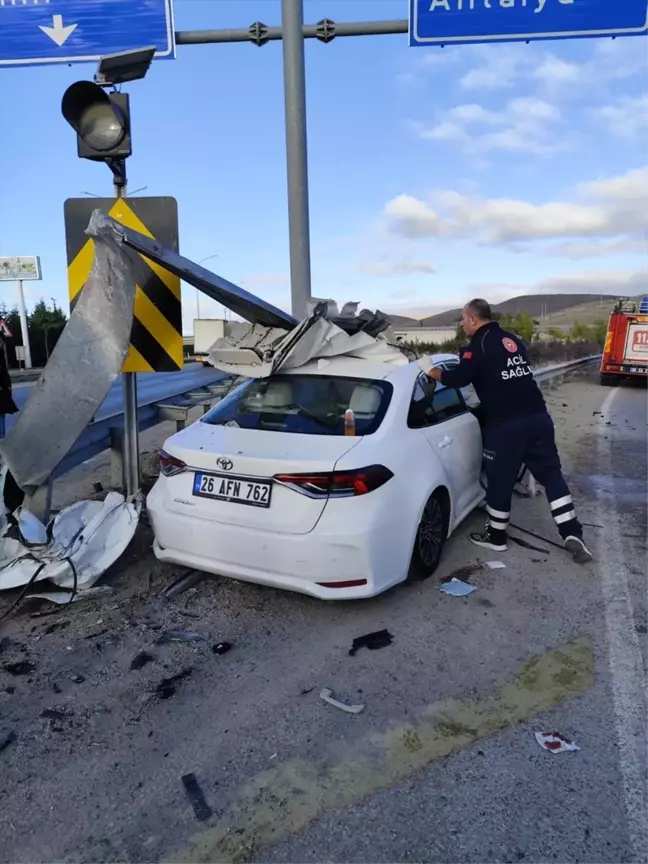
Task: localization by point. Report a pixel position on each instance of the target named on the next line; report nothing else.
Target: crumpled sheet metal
(241, 302)
(83, 366)
(90, 534)
(262, 351)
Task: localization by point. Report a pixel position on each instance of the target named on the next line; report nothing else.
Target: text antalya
(469, 5)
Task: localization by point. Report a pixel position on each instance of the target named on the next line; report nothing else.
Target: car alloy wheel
(430, 537)
(430, 534)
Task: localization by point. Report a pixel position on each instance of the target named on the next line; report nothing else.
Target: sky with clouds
(435, 173)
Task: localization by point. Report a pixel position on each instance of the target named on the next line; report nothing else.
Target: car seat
(365, 402)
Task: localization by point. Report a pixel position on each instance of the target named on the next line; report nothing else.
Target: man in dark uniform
(517, 428)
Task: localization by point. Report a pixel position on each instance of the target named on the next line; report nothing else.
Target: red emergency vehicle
(626, 345)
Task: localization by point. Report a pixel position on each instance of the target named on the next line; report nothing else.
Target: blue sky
(435, 174)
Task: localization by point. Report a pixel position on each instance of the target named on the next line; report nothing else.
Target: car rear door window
(304, 404)
(429, 409)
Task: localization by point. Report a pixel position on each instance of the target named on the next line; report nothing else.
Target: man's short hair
(480, 309)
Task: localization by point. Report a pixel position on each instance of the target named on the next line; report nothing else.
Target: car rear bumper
(305, 563)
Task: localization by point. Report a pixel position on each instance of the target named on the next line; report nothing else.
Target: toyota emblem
(225, 464)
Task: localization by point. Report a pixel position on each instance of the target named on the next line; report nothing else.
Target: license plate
(236, 490)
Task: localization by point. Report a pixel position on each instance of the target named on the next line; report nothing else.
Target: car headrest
(365, 399)
(278, 395)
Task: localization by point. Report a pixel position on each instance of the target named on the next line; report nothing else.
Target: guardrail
(107, 433)
(554, 375)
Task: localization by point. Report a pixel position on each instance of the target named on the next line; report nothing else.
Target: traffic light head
(101, 121)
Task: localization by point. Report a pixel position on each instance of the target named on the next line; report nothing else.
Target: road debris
(554, 742)
(140, 660)
(496, 565)
(64, 598)
(167, 686)
(77, 679)
(81, 543)
(57, 625)
(7, 740)
(201, 808)
(327, 695)
(22, 667)
(519, 541)
(183, 583)
(372, 641)
(53, 714)
(537, 536)
(180, 636)
(457, 588)
(222, 647)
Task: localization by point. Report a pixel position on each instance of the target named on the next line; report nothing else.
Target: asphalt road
(151, 387)
(442, 765)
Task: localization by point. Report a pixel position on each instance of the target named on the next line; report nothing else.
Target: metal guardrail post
(117, 473)
(39, 501)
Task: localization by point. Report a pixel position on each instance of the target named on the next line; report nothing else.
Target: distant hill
(403, 321)
(536, 305)
(586, 313)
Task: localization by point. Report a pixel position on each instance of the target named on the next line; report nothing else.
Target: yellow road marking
(280, 802)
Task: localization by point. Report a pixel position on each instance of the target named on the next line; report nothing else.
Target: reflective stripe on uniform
(498, 526)
(560, 502)
(565, 517)
(498, 514)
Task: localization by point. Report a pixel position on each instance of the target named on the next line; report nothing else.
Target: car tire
(610, 380)
(430, 537)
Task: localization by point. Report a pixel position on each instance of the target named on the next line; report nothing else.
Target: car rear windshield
(304, 404)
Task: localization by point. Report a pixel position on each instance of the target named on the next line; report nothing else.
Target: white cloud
(621, 282)
(615, 207)
(387, 270)
(582, 250)
(522, 125)
(554, 72)
(626, 118)
(616, 282)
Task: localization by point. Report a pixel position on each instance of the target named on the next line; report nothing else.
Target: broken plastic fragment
(327, 695)
(496, 565)
(554, 742)
(180, 636)
(457, 588)
(84, 540)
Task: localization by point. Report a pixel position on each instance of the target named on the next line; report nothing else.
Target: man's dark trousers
(528, 440)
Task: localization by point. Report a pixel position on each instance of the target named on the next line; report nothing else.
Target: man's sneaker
(578, 550)
(487, 541)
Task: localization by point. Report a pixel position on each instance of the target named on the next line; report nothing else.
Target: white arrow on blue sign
(36, 32)
(444, 22)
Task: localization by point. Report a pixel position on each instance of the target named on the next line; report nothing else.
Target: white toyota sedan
(336, 479)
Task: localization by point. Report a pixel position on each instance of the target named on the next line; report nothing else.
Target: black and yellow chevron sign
(156, 337)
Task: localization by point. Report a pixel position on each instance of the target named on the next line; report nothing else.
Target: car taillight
(169, 465)
(337, 484)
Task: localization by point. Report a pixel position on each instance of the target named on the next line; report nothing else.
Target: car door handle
(445, 442)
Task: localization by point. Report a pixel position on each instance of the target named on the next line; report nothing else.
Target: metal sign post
(24, 329)
(294, 73)
(129, 389)
(19, 270)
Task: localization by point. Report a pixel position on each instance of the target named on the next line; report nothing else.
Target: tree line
(45, 324)
(580, 340)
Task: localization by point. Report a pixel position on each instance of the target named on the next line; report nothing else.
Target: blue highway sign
(34, 32)
(444, 22)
